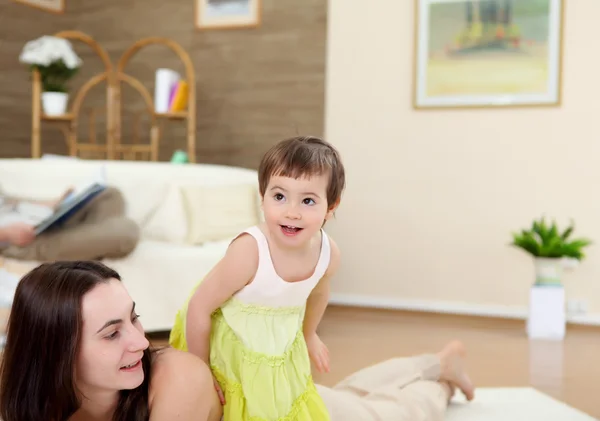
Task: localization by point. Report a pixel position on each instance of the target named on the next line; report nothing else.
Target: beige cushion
(169, 222)
(219, 212)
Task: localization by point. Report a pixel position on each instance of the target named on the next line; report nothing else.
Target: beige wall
(432, 198)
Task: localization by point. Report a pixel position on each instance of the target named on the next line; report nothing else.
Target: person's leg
(416, 388)
(98, 230)
(108, 204)
(422, 400)
(111, 238)
(395, 372)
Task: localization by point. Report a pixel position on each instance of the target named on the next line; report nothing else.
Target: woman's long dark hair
(37, 380)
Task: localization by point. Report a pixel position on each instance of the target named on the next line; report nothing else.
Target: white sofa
(187, 213)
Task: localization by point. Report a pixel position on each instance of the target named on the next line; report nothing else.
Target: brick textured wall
(254, 86)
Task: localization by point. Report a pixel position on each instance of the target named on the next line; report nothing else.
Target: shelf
(178, 115)
(112, 77)
(63, 117)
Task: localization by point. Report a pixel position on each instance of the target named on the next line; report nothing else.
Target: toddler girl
(254, 317)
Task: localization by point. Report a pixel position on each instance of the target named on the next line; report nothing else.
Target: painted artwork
(54, 6)
(488, 53)
(227, 13)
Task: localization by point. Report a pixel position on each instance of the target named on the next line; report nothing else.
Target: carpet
(512, 404)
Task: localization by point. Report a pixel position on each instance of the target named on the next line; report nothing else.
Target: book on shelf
(171, 92)
(180, 97)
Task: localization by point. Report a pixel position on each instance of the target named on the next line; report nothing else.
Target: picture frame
(227, 14)
(52, 6)
(487, 53)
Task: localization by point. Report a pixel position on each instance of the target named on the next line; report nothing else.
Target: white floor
(514, 404)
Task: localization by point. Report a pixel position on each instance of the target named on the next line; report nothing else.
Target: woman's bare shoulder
(167, 360)
(181, 387)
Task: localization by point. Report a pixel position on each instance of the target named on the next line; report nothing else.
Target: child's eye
(278, 196)
(309, 201)
(135, 318)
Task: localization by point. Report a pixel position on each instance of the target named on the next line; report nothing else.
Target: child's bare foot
(453, 371)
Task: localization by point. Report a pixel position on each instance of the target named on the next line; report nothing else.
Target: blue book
(70, 206)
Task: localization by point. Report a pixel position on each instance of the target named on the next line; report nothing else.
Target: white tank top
(269, 289)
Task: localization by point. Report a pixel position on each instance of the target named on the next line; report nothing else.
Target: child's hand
(219, 391)
(318, 352)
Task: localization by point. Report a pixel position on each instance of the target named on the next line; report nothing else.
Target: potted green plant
(550, 248)
(57, 63)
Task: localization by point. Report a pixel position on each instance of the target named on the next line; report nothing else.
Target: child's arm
(232, 273)
(319, 297)
(315, 308)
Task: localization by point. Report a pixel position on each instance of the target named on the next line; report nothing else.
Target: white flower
(48, 49)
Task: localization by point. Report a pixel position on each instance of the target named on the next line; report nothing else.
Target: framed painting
(54, 6)
(487, 53)
(224, 14)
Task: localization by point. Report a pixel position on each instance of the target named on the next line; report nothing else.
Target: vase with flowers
(57, 63)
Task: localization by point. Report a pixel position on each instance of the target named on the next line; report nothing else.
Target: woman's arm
(182, 389)
(232, 273)
(53, 204)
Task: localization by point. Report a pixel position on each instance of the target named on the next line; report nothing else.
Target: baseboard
(446, 307)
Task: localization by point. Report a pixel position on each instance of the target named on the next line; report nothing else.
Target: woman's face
(112, 341)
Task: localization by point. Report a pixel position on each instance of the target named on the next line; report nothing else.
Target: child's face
(295, 209)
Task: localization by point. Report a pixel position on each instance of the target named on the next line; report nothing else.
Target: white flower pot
(547, 318)
(548, 271)
(54, 103)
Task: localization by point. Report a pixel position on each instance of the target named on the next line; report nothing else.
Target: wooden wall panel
(254, 86)
(19, 24)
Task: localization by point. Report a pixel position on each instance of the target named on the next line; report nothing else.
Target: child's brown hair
(304, 156)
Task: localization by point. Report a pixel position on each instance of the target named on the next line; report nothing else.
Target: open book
(44, 217)
(69, 206)
(78, 198)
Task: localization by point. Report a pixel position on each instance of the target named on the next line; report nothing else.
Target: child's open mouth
(290, 230)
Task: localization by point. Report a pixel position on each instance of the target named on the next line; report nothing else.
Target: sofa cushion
(169, 222)
(143, 191)
(218, 212)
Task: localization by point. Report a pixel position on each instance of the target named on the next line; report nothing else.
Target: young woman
(76, 350)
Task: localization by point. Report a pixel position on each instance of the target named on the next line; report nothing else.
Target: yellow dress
(257, 349)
